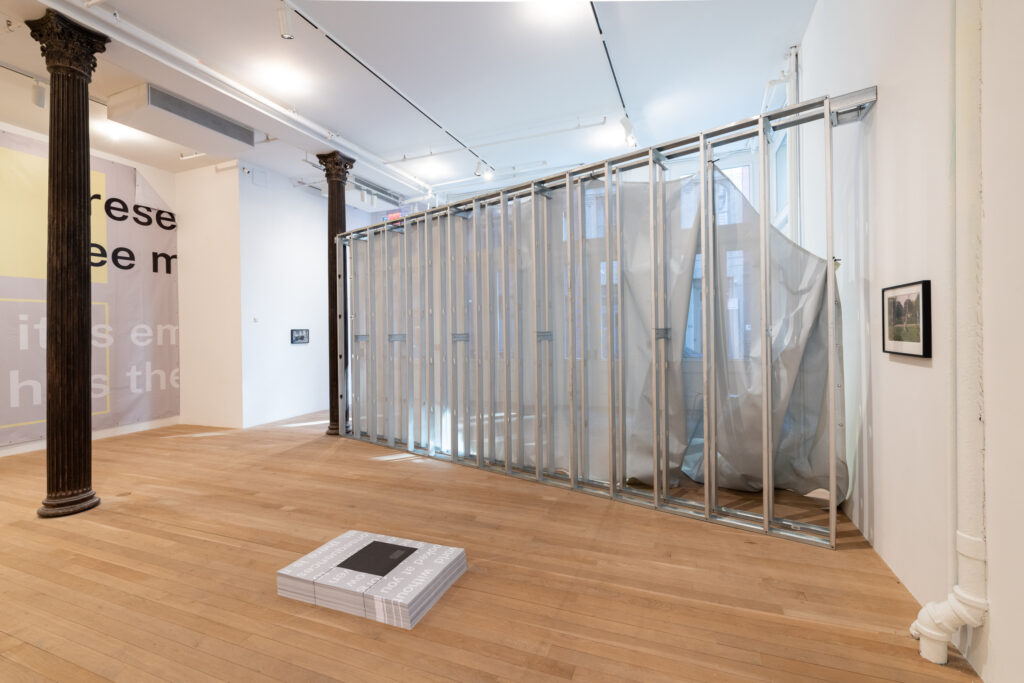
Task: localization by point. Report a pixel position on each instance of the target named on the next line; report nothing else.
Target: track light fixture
(484, 171)
(284, 22)
(627, 129)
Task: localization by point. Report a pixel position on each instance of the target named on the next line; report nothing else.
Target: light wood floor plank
(173, 577)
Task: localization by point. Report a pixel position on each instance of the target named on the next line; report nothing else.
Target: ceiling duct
(148, 108)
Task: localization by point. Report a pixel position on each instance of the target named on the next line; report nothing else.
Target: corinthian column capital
(336, 165)
(65, 45)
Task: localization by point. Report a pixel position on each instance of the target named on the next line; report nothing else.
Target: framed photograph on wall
(300, 336)
(907, 319)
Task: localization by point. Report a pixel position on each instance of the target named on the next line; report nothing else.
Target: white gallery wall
(253, 266)
(994, 652)
(253, 254)
(897, 199)
(894, 223)
(356, 218)
(209, 296)
(284, 286)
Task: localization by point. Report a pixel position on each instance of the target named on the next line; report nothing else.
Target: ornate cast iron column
(70, 51)
(336, 167)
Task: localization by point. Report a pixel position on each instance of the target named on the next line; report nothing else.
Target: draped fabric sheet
(529, 331)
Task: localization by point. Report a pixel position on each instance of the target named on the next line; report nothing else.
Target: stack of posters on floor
(385, 578)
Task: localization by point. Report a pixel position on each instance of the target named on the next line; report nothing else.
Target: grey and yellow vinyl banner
(133, 261)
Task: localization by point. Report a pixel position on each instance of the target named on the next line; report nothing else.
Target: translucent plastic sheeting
(396, 354)
(551, 259)
(632, 201)
(524, 333)
(480, 360)
(798, 322)
(560, 334)
(416, 317)
(360, 395)
(438, 326)
(464, 352)
(493, 273)
(635, 328)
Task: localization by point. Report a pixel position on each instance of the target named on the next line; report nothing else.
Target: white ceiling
(483, 72)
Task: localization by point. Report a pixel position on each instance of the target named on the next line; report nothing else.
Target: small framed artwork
(907, 319)
(300, 336)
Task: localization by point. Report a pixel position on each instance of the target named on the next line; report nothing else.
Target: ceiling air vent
(158, 112)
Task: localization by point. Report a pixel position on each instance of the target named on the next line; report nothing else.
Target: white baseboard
(39, 445)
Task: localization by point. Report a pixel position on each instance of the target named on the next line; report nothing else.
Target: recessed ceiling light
(555, 13)
(431, 169)
(610, 136)
(281, 79)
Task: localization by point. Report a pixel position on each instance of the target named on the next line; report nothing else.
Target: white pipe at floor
(967, 604)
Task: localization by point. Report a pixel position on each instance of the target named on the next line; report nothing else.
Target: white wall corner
(209, 296)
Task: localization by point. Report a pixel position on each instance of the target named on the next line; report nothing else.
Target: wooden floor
(787, 504)
(172, 577)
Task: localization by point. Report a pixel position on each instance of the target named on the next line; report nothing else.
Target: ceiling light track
(607, 54)
(627, 125)
(327, 34)
(492, 174)
(453, 197)
(504, 141)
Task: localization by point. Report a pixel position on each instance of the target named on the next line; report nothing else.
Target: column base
(332, 430)
(61, 507)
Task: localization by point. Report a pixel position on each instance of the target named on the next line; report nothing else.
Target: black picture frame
(300, 336)
(898, 323)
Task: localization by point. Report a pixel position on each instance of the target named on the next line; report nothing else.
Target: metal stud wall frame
(658, 328)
